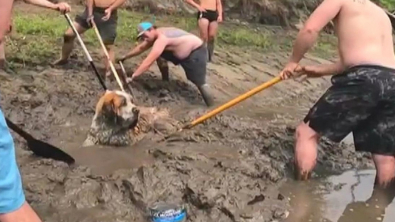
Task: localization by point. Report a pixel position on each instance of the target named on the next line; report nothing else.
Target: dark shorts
(195, 66)
(210, 15)
(362, 101)
(107, 29)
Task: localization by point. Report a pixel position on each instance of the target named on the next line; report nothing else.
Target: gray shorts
(195, 66)
(107, 29)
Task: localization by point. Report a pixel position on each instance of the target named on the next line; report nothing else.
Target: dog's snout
(135, 110)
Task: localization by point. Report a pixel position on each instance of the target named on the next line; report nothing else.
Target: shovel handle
(85, 50)
(125, 77)
(233, 102)
(108, 57)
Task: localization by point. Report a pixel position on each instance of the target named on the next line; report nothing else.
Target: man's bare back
(180, 42)
(103, 3)
(364, 34)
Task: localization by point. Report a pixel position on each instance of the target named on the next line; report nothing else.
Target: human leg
(108, 33)
(203, 26)
(344, 106)
(68, 43)
(212, 32)
(163, 68)
(2, 55)
(81, 25)
(23, 214)
(13, 206)
(195, 68)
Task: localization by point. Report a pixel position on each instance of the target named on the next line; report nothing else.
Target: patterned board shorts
(361, 100)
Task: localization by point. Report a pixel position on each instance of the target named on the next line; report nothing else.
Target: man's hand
(89, 20)
(121, 59)
(219, 18)
(289, 70)
(130, 79)
(107, 14)
(63, 7)
(201, 9)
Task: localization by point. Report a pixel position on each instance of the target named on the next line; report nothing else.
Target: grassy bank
(37, 37)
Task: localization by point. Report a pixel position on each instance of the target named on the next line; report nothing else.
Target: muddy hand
(289, 70)
(219, 18)
(63, 7)
(107, 14)
(89, 20)
(121, 59)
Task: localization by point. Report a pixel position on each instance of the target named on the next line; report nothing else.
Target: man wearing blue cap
(175, 45)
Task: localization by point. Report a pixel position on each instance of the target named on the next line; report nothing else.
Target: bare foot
(60, 62)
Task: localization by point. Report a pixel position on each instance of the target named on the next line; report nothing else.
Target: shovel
(125, 77)
(108, 57)
(86, 51)
(41, 148)
(226, 106)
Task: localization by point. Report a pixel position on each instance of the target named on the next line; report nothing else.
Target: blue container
(165, 212)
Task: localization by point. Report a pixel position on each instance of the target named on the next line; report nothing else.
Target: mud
(228, 169)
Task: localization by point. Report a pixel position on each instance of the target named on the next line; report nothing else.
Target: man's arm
(331, 69)
(219, 7)
(157, 49)
(89, 6)
(140, 48)
(321, 16)
(42, 3)
(116, 4)
(5, 16)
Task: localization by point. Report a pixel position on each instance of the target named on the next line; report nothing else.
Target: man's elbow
(311, 31)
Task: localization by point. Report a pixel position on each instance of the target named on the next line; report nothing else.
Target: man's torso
(209, 4)
(364, 34)
(103, 3)
(180, 42)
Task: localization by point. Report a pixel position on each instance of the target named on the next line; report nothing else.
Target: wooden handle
(233, 102)
(108, 57)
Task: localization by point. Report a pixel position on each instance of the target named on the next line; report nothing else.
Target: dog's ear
(112, 103)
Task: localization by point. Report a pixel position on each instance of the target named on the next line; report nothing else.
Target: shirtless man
(13, 205)
(104, 14)
(175, 45)
(62, 6)
(362, 97)
(208, 15)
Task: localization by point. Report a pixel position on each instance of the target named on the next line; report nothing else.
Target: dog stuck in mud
(119, 122)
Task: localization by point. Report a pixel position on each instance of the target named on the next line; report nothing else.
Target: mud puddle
(347, 197)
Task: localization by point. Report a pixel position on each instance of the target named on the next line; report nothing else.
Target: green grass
(38, 36)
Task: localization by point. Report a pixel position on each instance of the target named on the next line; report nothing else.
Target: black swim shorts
(362, 101)
(210, 15)
(195, 66)
(107, 29)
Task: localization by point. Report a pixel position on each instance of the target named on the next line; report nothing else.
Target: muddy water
(228, 169)
(346, 197)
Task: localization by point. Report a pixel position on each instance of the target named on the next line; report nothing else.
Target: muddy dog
(119, 122)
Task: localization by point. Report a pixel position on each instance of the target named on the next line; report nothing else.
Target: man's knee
(305, 132)
(68, 36)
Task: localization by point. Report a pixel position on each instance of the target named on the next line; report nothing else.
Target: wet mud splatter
(228, 169)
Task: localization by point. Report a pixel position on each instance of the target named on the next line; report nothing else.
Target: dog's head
(116, 109)
(115, 115)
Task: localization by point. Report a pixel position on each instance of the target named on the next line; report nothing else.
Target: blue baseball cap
(143, 27)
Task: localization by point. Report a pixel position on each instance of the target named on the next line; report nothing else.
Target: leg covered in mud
(195, 67)
(354, 103)
(163, 68)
